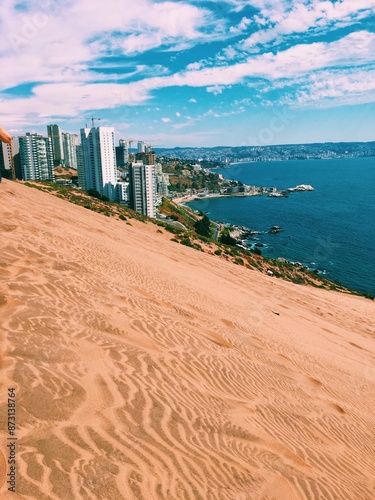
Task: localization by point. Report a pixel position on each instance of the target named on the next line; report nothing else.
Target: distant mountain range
(228, 154)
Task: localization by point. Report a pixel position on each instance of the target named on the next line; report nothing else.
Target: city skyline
(192, 73)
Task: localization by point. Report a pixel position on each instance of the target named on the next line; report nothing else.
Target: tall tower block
(99, 160)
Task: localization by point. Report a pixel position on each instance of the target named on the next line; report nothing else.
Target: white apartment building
(36, 157)
(122, 153)
(99, 161)
(80, 167)
(123, 193)
(141, 147)
(143, 188)
(162, 184)
(9, 151)
(69, 143)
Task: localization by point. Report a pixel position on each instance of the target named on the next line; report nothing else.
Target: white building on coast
(99, 160)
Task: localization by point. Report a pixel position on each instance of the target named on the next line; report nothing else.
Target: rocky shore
(244, 190)
(285, 192)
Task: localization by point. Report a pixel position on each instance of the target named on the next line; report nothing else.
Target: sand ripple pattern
(149, 371)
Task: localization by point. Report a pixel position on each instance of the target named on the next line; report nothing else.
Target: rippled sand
(147, 370)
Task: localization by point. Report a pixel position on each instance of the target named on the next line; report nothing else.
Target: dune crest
(147, 370)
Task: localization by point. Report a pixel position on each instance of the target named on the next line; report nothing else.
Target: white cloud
(230, 53)
(58, 47)
(210, 113)
(355, 49)
(166, 120)
(56, 43)
(178, 114)
(241, 26)
(148, 25)
(73, 98)
(194, 66)
(246, 101)
(225, 114)
(189, 123)
(165, 23)
(216, 89)
(238, 5)
(61, 40)
(330, 88)
(285, 18)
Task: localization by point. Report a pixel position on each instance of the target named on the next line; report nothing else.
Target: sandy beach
(185, 199)
(144, 369)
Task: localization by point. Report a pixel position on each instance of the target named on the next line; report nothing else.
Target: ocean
(331, 229)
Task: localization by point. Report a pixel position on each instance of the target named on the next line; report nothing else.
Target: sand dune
(147, 370)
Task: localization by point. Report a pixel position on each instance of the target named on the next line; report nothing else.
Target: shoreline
(192, 197)
(195, 197)
(243, 230)
(241, 234)
(270, 192)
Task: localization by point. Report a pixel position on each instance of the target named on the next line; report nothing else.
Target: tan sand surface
(148, 370)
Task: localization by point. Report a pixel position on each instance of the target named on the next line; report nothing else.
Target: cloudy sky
(191, 72)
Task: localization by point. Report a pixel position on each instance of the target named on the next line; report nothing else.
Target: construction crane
(93, 121)
(152, 144)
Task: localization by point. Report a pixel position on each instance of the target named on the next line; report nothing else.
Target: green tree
(7, 174)
(203, 226)
(227, 240)
(95, 194)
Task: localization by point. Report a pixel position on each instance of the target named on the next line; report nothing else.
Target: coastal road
(217, 230)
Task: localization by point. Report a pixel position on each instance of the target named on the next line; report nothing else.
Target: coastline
(192, 197)
(316, 226)
(247, 239)
(271, 192)
(242, 233)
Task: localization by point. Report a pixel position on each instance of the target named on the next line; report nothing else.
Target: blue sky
(190, 72)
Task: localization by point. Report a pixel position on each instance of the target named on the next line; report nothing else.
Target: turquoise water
(331, 229)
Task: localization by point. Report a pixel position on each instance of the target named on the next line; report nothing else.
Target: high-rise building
(36, 157)
(148, 158)
(80, 167)
(162, 184)
(9, 151)
(9, 158)
(122, 153)
(54, 133)
(123, 193)
(69, 142)
(143, 188)
(98, 150)
(141, 147)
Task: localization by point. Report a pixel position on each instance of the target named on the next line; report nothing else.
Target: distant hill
(279, 152)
